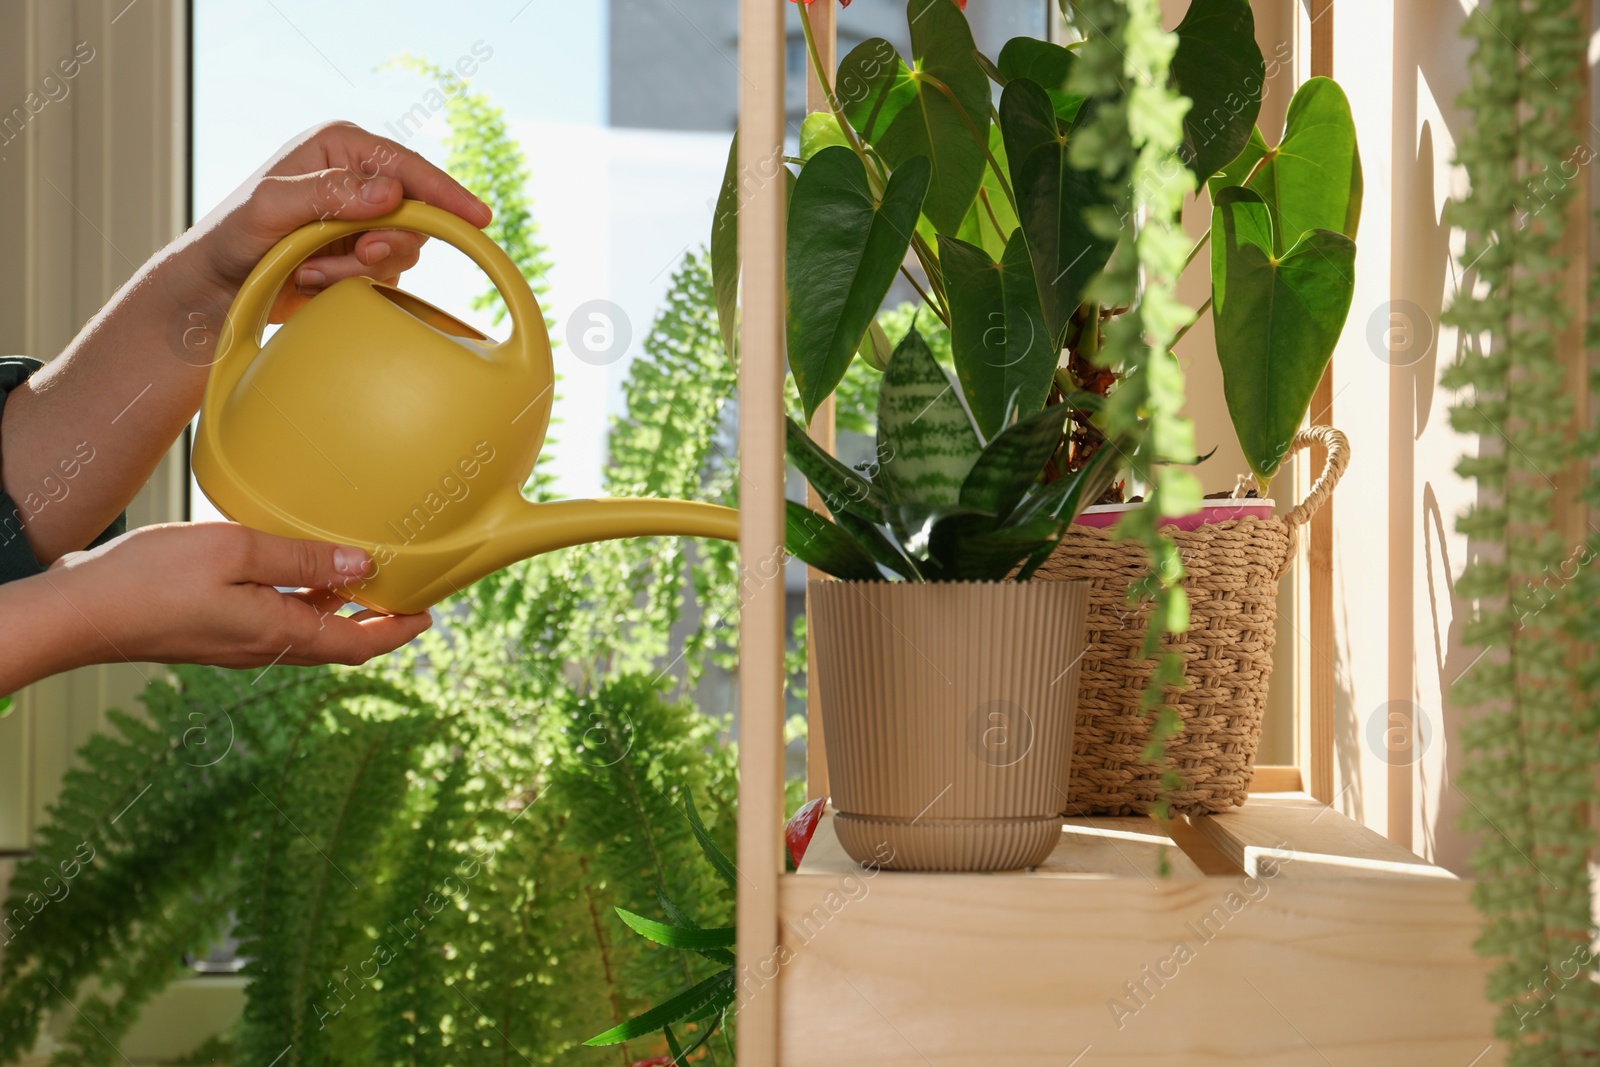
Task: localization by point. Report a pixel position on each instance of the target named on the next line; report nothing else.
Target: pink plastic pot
(1102, 516)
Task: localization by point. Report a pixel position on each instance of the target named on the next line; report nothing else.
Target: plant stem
(1205, 239)
(833, 102)
(929, 260)
(1199, 313)
(938, 308)
(983, 195)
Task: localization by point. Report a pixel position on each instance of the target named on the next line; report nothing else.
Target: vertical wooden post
(1318, 750)
(762, 204)
(824, 29)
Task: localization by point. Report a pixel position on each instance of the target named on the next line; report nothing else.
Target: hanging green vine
(1133, 141)
(1531, 739)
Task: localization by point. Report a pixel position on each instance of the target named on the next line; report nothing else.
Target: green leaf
(844, 250)
(1052, 198)
(868, 536)
(1003, 351)
(725, 251)
(902, 113)
(820, 130)
(873, 86)
(1067, 496)
(926, 444)
(1011, 464)
(818, 543)
(715, 855)
(841, 488)
(682, 1006)
(1048, 64)
(876, 348)
(914, 523)
(693, 938)
(1312, 180)
(1237, 171)
(971, 548)
(1277, 321)
(681, 1055)
(990, 220)
(1218, 66)
(678, 917)
(725, 247)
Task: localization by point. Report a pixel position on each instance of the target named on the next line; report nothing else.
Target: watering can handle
(247, 318)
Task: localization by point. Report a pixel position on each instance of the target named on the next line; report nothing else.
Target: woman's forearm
(80, 437)
(46, 627)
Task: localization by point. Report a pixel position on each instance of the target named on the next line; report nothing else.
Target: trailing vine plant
(1531, 740)
(1132, 142)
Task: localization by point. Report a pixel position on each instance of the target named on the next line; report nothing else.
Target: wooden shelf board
(1092, 955)
(1121, 847)
(1308, 839)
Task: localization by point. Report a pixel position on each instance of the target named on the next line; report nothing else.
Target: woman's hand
(133, 377)
(334, 171)
(204, 593)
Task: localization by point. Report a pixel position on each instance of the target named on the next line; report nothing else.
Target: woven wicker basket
(1232, 571)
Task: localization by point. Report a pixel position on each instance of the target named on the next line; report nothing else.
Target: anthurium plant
(939, 504)
(959, 173)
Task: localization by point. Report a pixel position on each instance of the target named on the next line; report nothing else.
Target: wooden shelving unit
(1282, 933)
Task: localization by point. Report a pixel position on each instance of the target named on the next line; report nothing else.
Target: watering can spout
(530, 529)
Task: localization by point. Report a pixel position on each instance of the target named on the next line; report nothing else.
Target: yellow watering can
(374, 419)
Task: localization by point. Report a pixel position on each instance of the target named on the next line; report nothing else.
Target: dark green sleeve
(16, 556)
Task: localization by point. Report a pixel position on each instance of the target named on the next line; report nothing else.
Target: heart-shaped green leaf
(725, 251)
(1218, 66)
(1312, 180)
(820, 130)
(1052, 197)
(873, 86)
(926, 443)
(844, 249)
(990, 220)
(725, 246)
(1277, 321)
(905, 113)
(1003, 351)
(1011, 463)
(1048, 64)
(1239, 169)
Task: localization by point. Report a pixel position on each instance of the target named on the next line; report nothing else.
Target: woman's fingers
(320, 272)
(323, 601)
(358, 638)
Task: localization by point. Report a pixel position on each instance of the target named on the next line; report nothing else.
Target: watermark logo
(1400, 332)
(598, 332)
(1399, 733)
(1000, 733)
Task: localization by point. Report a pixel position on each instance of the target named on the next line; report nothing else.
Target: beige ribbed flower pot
(948, 712)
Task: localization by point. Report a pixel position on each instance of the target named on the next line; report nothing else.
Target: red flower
(801, 825)
(654, 1061)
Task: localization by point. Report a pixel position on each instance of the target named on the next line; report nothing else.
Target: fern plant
(1533, 740)
(423, 858)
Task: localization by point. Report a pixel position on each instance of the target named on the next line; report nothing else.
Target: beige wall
(90, 186)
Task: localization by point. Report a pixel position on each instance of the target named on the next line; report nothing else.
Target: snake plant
(940, 503)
